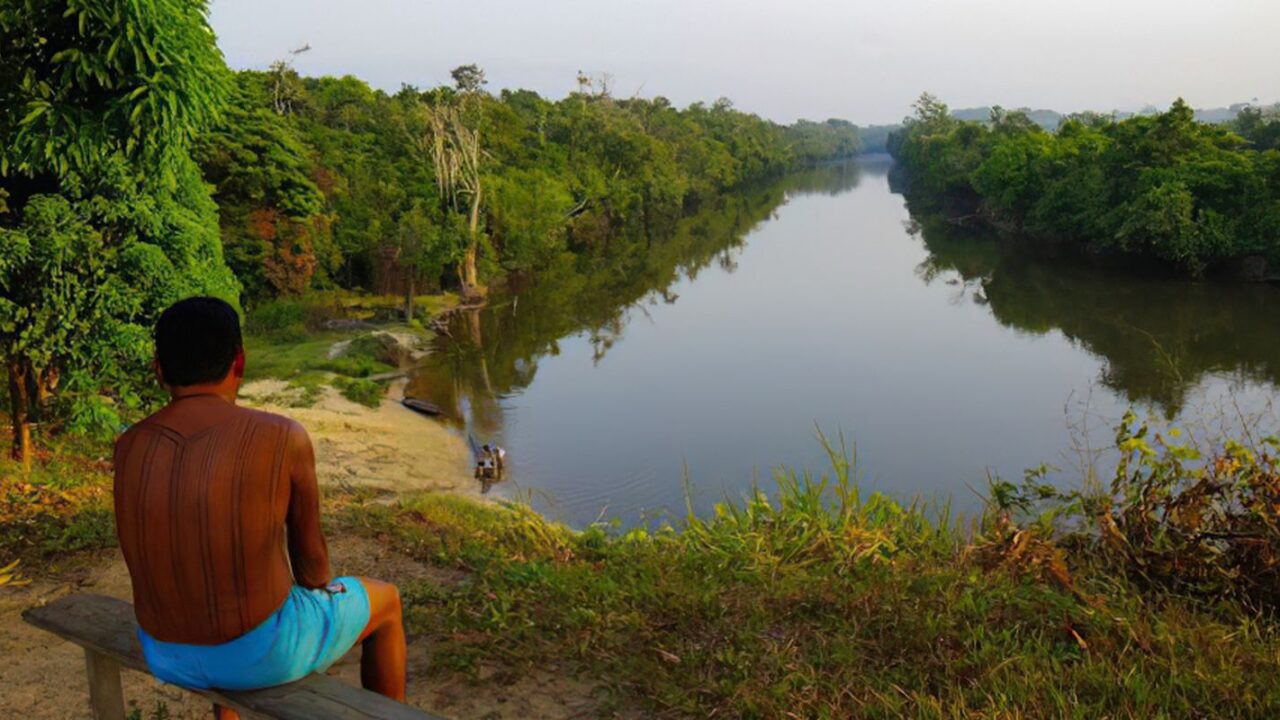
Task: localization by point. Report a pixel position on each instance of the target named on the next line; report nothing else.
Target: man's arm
(307, 551)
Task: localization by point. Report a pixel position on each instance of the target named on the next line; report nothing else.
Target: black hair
(197, 340)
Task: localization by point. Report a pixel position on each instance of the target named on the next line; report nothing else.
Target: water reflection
(493, 353)
(1159, 337)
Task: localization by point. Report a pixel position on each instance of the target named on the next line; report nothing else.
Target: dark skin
(382, 658)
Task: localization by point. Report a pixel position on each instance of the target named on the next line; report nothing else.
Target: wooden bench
(106, 629)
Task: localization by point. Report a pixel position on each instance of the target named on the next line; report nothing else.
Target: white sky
(863, 61)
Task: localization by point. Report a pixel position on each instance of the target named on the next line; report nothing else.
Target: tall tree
(107, 218)
(454, 148)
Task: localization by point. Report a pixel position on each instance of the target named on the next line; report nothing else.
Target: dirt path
(43, 677)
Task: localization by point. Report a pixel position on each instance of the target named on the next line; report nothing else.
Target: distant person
(218, 515)
(492, 457)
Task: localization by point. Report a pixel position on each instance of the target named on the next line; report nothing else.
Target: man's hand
(335, 588)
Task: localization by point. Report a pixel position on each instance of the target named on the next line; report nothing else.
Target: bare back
(217, 512)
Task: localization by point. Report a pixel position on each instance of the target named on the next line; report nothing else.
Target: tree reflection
(1158, 336)
(493, 352)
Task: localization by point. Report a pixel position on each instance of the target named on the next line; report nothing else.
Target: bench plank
(107, 626)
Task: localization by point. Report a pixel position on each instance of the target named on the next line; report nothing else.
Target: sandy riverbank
(389, 447)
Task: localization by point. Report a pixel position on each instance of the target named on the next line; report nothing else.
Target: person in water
(218, 515)
(491, 461)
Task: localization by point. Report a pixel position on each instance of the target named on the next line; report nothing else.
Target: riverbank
(1156, 599)
(1133, 188)
(818, 601)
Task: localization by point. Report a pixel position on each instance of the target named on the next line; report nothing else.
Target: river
(820, 302)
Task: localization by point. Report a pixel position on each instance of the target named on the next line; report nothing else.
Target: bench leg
(106, 697)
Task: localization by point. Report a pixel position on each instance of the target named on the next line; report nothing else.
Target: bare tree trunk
(19, 408)
(471, 279)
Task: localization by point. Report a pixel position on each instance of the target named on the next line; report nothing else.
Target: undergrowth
(816, 601)
(1156, 596)
(62, 506)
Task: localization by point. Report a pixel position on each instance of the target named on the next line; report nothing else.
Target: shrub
(366, 392)
(275, 316)
(817, 601)
(1174, 520)
(380, 346)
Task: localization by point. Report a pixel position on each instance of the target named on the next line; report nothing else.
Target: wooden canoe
(422, 406)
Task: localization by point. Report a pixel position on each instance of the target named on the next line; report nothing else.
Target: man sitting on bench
(218, 514)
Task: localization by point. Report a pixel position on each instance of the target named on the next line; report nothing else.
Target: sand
(389, 448)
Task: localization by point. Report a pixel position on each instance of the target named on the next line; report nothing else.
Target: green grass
(813, 601)
(285, 339)
(266, 358)
(308, 369)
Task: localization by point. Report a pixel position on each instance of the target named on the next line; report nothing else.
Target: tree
(81, 80)
(1164, 187)
(55, 310)
(419, 251)
(275, 228)
(285, 90)
(469, 78)
(456, 155)
(108, 220)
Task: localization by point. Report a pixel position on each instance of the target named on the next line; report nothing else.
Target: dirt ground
(44, 679)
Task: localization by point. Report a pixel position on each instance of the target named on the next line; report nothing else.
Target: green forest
(324, 182)
(137, 169)
(1162, 190)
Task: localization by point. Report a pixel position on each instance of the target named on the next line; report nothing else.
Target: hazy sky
(864, 61)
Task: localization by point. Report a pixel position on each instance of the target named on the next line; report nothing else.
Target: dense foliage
(105, 218)
(343, 185)
(1165, 187)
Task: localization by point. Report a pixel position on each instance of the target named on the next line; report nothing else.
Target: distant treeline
(874, 138)
(1164, 187)
(324, 182)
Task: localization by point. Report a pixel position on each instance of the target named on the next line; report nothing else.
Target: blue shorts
(312, 630)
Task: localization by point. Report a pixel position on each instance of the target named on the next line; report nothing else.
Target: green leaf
(37, 110)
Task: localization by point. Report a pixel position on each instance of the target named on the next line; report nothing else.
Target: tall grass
(814, 600)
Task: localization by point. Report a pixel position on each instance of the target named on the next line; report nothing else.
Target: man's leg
(221, 713)
(382, 663)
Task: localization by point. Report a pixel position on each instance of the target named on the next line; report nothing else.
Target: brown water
(819, 301)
